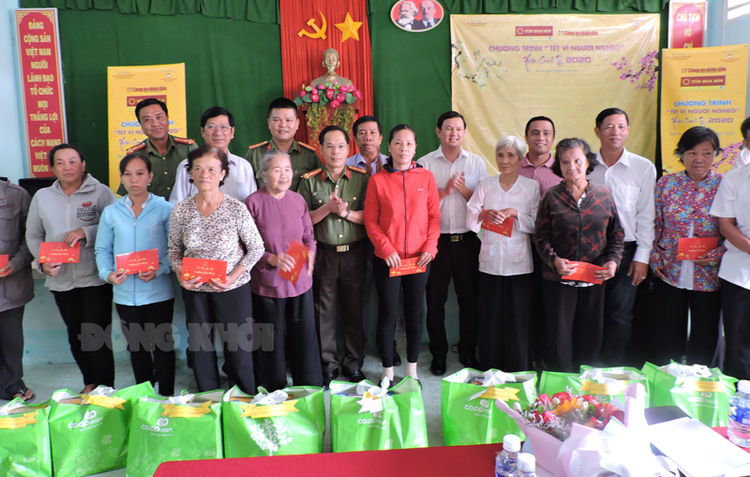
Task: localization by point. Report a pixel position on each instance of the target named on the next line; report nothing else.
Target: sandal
(26, 394)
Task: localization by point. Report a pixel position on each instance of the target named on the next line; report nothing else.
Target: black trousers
(504, 320)
(89, 309)
(573, 326)
(148, 330)
(536, 313)
(389, 291)
(619, 301)
(230, 314)
(669, 332)
(295, 341)
(338, 286)
(735, 302)
(11, 352)
(458, 259)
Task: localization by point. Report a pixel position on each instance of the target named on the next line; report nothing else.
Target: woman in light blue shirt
(145, 301)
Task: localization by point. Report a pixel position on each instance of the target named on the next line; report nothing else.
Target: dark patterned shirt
(589, 232)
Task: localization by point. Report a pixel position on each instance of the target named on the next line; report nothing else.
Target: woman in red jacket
(402, 218)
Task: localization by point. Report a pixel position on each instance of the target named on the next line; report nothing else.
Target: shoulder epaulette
(184, 140)
(263, 143)
(357, 169)
(137, 147)
(306, 146)
(312, 173)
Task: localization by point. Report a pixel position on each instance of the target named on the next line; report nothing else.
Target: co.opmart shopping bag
(701, 392)
(89, 432)
(467, 404)
(285, 422)
(365, 416)
(24, 439)
(162, 429)
(605, 384)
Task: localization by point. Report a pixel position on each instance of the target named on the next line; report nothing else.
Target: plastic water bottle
(526, 465)
(739, 415)
(506, 461)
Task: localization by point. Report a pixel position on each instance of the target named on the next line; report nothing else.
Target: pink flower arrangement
(556, 415)
(332, 95)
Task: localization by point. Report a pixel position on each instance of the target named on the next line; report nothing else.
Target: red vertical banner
(41, 82)
(687, 24)
(311, 27)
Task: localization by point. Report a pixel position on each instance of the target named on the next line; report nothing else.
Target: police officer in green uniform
(335, 196)
(283, 123)
(164, 150)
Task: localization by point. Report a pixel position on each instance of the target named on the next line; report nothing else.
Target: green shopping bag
(24, 439)
(284, 422)
(367, 417)
(89, 432)
(552, 382)
(467, 404)
(163, 429)
(702, 393)
(606, 384)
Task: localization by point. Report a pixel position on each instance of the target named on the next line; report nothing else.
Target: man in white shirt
(457, 173)
(217, 129)
(743, 158)
(632, 179)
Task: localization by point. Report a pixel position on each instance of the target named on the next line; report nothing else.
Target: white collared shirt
(239, 184)
(358, 161)
(453, 206)
(743, 158)
(632, 180)
(731, 201)
(501, 255)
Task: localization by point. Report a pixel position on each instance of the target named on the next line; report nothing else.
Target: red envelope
(204, 269)
(59, 252)
(584, 272)
(137, 262)
(506, 228)
(408, 267)
(3, 261)
(299, 253)
(692, 248)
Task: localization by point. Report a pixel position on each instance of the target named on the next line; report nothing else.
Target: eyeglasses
(213, 127)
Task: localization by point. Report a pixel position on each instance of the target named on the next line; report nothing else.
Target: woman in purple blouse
(683, 200)
(283, 309)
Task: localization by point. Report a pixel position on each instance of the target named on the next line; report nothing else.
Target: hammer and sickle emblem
(319, 32)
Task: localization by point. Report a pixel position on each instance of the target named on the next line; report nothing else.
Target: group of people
(517, 247)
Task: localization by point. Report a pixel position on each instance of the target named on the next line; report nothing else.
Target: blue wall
(721, 32)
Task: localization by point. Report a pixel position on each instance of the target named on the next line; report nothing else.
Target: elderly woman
(402, 218)
(145, 301)
(16, 289)
(683, 200)
(212, 225)
(68, 211)
(576, 221)
(505, 263)
(287, 306)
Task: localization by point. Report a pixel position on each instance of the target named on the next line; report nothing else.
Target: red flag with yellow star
(309, 28)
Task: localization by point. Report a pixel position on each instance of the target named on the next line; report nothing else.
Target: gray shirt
(16, 289)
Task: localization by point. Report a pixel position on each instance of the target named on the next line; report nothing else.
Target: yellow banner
(126, 86)
(18, 422)
(110, 402)
(508, 68)
(255, 411)
(606, 389)
(176, 410)
(703, 87)
(506, 394)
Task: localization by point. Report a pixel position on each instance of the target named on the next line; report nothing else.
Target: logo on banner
(417, 15)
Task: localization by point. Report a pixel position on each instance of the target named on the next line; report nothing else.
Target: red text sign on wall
(41, 80)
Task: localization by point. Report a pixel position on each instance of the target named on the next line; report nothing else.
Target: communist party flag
(309, 28)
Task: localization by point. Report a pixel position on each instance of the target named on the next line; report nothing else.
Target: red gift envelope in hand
(408, 267)
(584, 272)
(204, 269)
(3, 261)
(138, 262)
(506, 228)
(299, 253)
(693, 248)
(59, 252)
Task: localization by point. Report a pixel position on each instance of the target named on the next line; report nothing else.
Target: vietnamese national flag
(309, 28)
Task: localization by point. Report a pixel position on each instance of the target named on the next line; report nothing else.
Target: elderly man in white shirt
(217, 130)
(457, 173)
(632, 179)
(743, 158)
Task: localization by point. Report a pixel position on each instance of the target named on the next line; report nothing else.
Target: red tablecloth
(429, 461)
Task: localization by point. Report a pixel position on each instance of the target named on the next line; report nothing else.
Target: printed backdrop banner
(126, 86)
(509, 68)
(703, 87)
